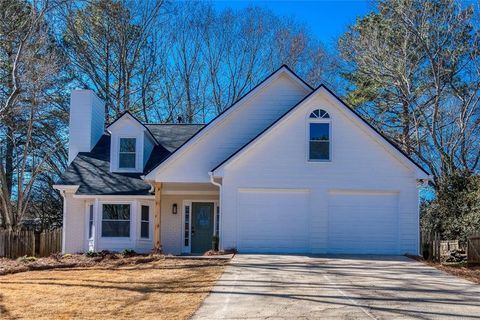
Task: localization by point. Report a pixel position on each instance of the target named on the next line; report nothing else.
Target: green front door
(202, 226)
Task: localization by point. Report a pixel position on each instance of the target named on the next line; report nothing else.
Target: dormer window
(127, 156)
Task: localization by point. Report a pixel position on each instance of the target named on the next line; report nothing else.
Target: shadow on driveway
(340, 287)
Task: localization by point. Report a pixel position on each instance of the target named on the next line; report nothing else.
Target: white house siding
(73, 224)
(172, 229)
(248, 119)
(359, 164)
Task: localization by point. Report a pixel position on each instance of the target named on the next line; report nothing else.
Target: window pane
(319, 131)
(90, 222)
(115, 228)
(144, 230)
(116, 212)
(127, 144)
(145, 213)
(90, 230)
(319, 150)
(127, 160)
(314, 114)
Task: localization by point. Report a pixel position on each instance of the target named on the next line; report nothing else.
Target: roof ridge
(170, 124)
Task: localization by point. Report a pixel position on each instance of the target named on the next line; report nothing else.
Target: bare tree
(32, 122)
(111, 44)
(414, 66)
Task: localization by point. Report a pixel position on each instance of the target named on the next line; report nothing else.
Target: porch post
(158, 218)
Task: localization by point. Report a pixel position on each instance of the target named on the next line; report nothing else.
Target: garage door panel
(272, 221)
(363, 223)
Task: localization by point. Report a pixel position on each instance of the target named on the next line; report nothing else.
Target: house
(285, 169)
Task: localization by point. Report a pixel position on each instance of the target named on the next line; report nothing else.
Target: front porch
(180, 218)
(187, 217)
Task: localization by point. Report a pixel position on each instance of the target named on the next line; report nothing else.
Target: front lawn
(158, 289)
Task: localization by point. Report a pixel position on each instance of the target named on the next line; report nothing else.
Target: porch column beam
(158, 218)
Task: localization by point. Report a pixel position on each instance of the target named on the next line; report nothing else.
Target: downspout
(219, 185)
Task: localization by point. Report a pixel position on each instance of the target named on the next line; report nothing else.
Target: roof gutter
(66, 187)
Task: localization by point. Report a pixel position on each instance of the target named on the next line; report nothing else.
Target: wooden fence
(436, 248)
(14, 244)
(473, 249)
(50, 242)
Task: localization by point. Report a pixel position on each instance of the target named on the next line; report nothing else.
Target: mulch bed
(57, 261)
(101, 259)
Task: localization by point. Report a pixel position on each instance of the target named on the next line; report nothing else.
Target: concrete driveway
(363, 287)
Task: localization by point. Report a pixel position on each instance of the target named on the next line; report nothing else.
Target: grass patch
(159, 289)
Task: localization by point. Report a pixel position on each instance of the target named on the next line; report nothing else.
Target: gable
(90, 171)
(365, 135)
(230, 130)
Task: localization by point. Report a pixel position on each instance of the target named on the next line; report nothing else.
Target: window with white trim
(127, 154)
(319, 147)
(145, 222)
(115, 220)
(90, 221)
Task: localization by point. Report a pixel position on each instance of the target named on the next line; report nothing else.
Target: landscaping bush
(426, 251)
(128, 253)
(27, 259)
(91, 254)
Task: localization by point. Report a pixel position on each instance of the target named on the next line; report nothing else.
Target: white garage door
(273, 221)
(363, 223)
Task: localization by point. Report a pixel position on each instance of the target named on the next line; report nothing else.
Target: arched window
(319, 114)
(319, 144)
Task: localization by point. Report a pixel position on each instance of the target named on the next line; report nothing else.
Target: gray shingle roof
(91, 170)
(172, 136)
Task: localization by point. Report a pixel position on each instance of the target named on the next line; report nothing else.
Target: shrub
(128, 252)
(27, 259)
(426, 251)
(91, 254)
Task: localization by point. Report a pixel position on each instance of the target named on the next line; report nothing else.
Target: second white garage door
(363, 222)
(274, 221)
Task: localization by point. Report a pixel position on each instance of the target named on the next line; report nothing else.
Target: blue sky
(326, 19)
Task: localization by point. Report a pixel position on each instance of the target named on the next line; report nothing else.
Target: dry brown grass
(163, 289)
(471, 273)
